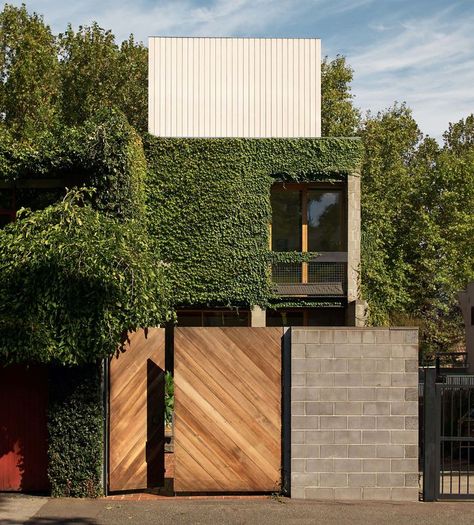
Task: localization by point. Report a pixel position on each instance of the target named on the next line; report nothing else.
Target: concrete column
(356, 313)
(258, 317)
(353, 236)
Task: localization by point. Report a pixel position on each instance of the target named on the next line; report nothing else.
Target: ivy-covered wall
(208, 203)
(75, 429)
(105, 153)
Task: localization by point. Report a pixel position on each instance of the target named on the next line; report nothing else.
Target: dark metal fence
(447, 436)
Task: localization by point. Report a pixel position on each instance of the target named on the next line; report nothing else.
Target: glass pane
(325, 221)
(189, 318)
(226, 318)
(286, 221)
(326, 317)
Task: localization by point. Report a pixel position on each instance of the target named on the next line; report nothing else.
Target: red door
(23, 428)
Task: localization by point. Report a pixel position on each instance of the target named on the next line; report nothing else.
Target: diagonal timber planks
(136, 411)
(227, 409)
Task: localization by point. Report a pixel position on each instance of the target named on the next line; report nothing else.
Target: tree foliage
(73, 282)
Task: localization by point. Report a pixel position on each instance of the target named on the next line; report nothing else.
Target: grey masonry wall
(354, 413)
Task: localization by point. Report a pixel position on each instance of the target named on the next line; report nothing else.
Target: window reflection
(325, 221)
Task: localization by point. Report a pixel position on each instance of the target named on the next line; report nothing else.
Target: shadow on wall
(23, 428)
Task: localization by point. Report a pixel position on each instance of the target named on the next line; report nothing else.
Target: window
(213, 318)
(306, 317)
(308, 218)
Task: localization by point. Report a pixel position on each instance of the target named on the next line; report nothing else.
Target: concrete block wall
(354, 413)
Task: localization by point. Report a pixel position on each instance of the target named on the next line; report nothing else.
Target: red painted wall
(23, 428)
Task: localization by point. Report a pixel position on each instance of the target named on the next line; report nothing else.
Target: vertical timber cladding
(136, 408)
(227, 409)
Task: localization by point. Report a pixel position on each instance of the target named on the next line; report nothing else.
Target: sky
(416, 51)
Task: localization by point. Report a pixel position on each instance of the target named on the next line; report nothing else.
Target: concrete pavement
(261, 512)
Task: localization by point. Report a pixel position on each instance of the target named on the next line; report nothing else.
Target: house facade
(263, 96)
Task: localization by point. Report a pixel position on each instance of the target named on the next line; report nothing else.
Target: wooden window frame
(304, 188)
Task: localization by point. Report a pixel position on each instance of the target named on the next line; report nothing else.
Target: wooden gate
(227, 409)
(23, 428)
(136, 417)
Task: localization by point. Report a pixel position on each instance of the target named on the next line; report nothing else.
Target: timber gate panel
(227, 409)
(136, 412)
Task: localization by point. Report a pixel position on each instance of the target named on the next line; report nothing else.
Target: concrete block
(354, 336)
(368, 336)
(375, 494)
(404, 494)
(363, 479)
(356, 365)
(347, 465)
(348, 409)
(304, 479)
(297, 437)
(361, 422)
(319, 409)
(397, 365)
(334, 394)
(406, 379)
(298, 350)
(376, 465)
(390, 479)
(411, 365)
(347, 437)
(382, 336)
(317, 437)
(349, 380)
(298, 465)
(333, 479)
(411, 451)
(320, 465)
(333, 451)
(390, 451)
(305, 394)
(326, 336)
(333, 422)
(405, 408)
(298, 336)
(411, 423)
(298, 380)
(412, 479)
(411, 394)
(361, 394)
(376, 408)
(390, 422)
(318, 493)
(352, 351)
(404, 437)
(299, 366)
(333, 365)
(297, 492)
(411, 337)
(320, 350)
(382, 365)
(376, 379)
(304, 422)
(378, 351)
(404, 351)
(397, 336)
(362, 451)
(348, 494)
(319, 380)
(376, 437)
(297, 408)
(390, 394)
(305, 451)
(340, 336)
(404, 465)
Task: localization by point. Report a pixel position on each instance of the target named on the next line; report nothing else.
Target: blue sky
(418, 51)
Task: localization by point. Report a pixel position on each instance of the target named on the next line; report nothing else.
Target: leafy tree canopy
(73, 282)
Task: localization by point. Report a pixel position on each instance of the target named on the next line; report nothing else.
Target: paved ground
(261, 512)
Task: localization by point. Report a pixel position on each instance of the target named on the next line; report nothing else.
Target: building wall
(234, 87)
(354, 413)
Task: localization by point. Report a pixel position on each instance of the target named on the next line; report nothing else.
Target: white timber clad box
(234, 87)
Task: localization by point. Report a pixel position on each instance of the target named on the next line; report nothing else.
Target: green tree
(339, 116)
(97, 73)
(29, 77)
